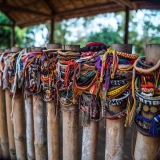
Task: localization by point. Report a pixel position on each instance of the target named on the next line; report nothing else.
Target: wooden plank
(21, 9)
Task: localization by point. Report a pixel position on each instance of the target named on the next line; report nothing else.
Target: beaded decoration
(116, 86)
(145, 88)
(87, 83)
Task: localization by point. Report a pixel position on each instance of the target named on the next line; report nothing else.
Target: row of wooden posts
(23, 136)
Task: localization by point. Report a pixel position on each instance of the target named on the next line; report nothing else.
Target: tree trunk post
(90, 139)
(29, 123)
(12, 148)
(12, 34)
(39, 113)
(52, 31)
(126, 34)
(3, 128)
(53, 122)
(29, 127)
(147, 147)
(115, 130)
(19, 122)
(70, 120)
(40, 139)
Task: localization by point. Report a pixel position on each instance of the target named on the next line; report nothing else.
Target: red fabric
(95, 44)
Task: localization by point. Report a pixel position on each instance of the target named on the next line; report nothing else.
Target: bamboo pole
(8, 99)
(1, 156)
(40, 140)
(19, 122)
(39, 128)
(53, 123)
(3, 129)
(70, 116)
(89, 142)
(29, 124)
(29, 127)
(115, 130)
(12, 148)
(146, 148)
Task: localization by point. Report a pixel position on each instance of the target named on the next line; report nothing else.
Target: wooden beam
(126, 26)
(124, 3)
(91, 13)
(49, 5)
(82, 9)
(119, 3)
(21, 9)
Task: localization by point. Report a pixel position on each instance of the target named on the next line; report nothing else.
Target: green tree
(5, 34)
(107, 36)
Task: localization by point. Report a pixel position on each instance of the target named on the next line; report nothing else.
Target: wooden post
(53, 123)
(3, 128)
(29, 127)
(29, 123)
(12, 34)
(89, 142)
(19, 122)
(147, 147)
(39, 113)
(70, 116)
(40, 141)
(1, 156)
(126, 25)
(8, 99)
(115, 129)
(52, 31)
(12, 148)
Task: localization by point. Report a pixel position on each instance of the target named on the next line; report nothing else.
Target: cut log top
(27, 50)
(126, 48)
(152, 53)
(36, 49)
(54, 46)
(72, 47)
(15, 49)
(7, 50)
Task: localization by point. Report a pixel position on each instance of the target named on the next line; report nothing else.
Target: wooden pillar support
(115, 130)
(29, 123)
(12, 148)
(39, 113)
(53, 123)
(90, 140)
(29, 128)
(40, 140)
(126, 34)
(12, 34)
(19, 122)
(52, 31)
(3, 129)
(70, 116)
(147, 147)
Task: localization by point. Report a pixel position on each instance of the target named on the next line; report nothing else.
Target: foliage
(142, 31)
(107, 36)
(5, 34)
